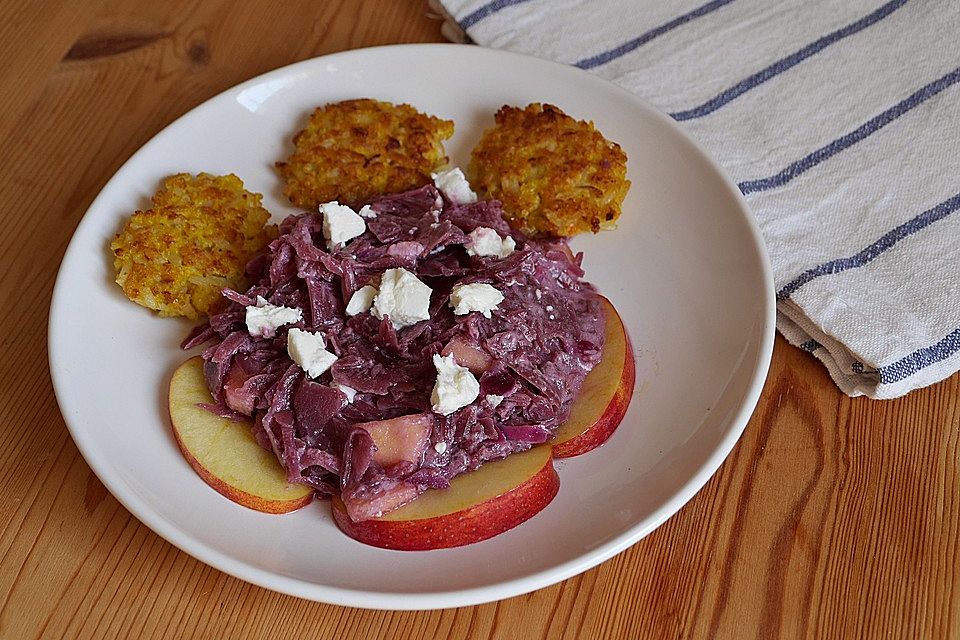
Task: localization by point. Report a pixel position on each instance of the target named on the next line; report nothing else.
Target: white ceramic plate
(686, 268)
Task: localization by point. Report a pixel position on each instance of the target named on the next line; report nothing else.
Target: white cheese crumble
(440, 447)
(453, 184)
(485, 241)
(465, 298)
(264, 319)
(361, 300)
(309, 351)
(455, 387)
(340, 224)
(402, 297)
(494, 400)
(350, 392)
(367, 212)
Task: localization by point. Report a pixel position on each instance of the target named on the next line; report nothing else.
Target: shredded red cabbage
(537, 347)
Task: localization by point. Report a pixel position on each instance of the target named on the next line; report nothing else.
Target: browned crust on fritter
(555, 175)
(354, 150)
(196, 239)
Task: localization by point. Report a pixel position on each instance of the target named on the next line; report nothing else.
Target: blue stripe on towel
(639, 41)
(866, 129)
(921, 359)
(869, 254)
(783, 64)
(488, 9)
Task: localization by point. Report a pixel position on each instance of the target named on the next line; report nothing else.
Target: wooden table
(833, 517)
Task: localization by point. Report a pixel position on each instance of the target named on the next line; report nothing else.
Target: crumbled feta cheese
(549, 307)
(455, 388)
(494, 400)
(402, 297)
(552, 317)
(454, 185)
(361, 300)
(465, 298)
(485, 241)
(538, 293)
(348, 391)
(340, 224)
(308, 350)
(367, 212)
(264, 319)
(440, 447)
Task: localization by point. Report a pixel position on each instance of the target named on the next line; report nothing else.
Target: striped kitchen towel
(840, 122)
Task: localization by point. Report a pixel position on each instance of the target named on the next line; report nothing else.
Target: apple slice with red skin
(604, 396)
(224, 452)
(481, 504)
(478, 505)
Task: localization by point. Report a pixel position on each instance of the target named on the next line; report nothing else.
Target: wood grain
(833, 517)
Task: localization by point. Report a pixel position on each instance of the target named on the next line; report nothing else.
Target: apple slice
(233, 396)
(224, 452)
(403, 438)
(468, 355)
(478, 505)
(364, 507)
(605, 394)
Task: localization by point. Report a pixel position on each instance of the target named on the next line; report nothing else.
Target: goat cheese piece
(350, 392)
(309, 352)
(453, 184)
(367, 212)
(402, 297)
(485, 241)
(455, 387)
(465, 298)
(264, 319)
(494, 400)
(340, 224)
(361, 300)
(440, 447)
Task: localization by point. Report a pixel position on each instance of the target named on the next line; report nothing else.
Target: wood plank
(34, 37)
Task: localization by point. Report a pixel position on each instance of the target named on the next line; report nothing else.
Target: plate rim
(182, 539)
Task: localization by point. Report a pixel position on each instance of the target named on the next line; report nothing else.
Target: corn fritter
(196, 239)
(556, 176)
(354, 150)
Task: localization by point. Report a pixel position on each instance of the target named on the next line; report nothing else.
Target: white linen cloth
(840, 122)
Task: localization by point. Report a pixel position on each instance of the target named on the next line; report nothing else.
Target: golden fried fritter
(354, 150)
(556, 176)
(196, 239)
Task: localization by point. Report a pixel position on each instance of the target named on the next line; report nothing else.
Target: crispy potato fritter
(354, 150)
(555, 176)
(196, 239)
